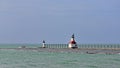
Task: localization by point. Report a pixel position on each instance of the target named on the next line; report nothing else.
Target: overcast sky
(31, 21)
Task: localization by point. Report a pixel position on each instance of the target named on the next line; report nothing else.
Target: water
(18, 45)
(34, 59)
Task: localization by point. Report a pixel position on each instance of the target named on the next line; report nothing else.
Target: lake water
(10, 58)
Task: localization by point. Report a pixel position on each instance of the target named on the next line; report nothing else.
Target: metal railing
(87, 46)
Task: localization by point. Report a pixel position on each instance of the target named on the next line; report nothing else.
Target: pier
(85, 46)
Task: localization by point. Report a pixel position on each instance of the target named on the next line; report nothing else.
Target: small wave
(91, 66)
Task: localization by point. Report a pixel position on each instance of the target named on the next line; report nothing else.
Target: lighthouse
(72, 43)
(43, 44)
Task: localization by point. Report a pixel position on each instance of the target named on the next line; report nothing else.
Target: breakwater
(86, 46)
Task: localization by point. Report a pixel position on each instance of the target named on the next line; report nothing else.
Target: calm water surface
(35, 59)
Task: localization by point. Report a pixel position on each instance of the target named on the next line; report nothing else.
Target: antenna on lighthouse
(73, 36)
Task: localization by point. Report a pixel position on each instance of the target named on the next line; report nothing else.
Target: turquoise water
(35, 59)
(10, 58)
(18, 45)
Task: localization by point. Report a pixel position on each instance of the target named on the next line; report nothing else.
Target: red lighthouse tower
(72, 43)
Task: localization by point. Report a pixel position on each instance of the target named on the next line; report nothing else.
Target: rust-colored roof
(72, 42)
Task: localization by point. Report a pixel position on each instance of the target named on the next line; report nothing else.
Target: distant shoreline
(68, 50)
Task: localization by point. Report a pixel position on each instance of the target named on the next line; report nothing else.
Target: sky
(31, 21)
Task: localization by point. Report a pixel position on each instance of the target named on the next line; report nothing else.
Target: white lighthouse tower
(43, 44)
(72, 43)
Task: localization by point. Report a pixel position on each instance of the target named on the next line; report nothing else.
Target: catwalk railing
(88, 46)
